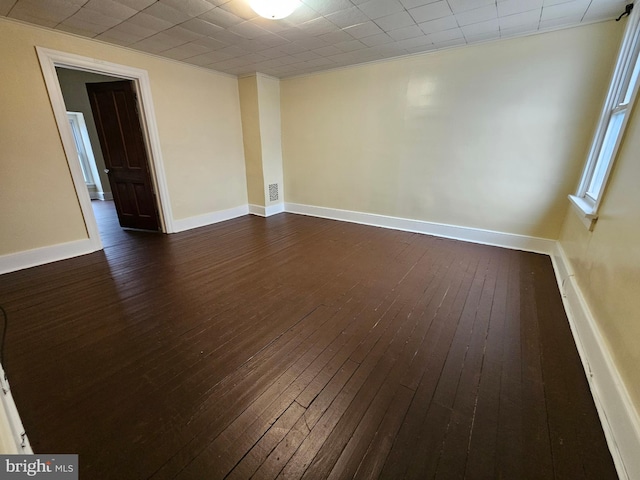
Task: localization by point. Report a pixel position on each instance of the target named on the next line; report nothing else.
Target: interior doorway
(51, 60)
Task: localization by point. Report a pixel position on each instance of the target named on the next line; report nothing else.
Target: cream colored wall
(489, 136)
(76, 99)
(198, 118)
(248, 87)
(271, 135)
(606, 262)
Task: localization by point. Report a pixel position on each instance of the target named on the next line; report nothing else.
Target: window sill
(585, 211)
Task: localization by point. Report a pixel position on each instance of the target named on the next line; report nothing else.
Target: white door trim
(49, 60)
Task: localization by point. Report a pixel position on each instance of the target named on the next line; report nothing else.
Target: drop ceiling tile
(302, 14)
(350, 46)
(96, 18)
(444, 23)
(6, 6)
(272, 53)
(291, 48)
(211, 43)
(119, 36)
(414, 42)
(183, 34)
(482, 37)
(197, 25)
(239, 8)
(110, 8)
(84, 32)
(220, 17)
(229, 37)
(525, 18)
(555, 2)
(376, 40)
(158, 43)
(193, 8)
(459, 6)
(320, 62)
(129, 28)
(247, 30)
(395, 21)
(431, 11)
(603, 11)
(138, 5)
(481, 27)
(422, 48)
(408, 4)
(456, 42)
(306, 55)
(348, 17)
(311, 42)
(405, 33)
(185, 51)
(561, 21)
(263, 42)
(273, 26)
(380, 8)
(511, 7)
(149, 22)
(477, 15)
(445, 35)
(325, 7)
(336, 37)
(327, 51)
(318, 26)
(166, 12)
(575, 8)
(208, 58)
(363, 30)
(519, 30)
(50, 12)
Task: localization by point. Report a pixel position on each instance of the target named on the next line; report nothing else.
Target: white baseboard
(266, 211)
(209, 218)
(618, 416)
(39, 256)
(104, 196)
(467, 234)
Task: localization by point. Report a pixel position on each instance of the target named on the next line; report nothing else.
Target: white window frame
(619, 101)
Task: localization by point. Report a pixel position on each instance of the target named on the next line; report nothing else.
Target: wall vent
(273, 192)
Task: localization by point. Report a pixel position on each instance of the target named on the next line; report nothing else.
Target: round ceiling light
(274, 9)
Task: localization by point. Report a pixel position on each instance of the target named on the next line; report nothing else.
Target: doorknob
(106, 170)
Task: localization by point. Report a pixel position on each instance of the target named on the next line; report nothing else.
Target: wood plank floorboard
(299, 347)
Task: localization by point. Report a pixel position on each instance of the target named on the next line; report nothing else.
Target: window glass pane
(606, 152)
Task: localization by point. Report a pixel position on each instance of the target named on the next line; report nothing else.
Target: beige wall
(606, 262)
(490, 136)
(271, 135)
(198, 117)
(251, 134)
(73, 86)
(262, 136)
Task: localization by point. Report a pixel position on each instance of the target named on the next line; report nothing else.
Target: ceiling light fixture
(274, 9)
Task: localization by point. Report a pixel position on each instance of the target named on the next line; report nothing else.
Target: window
(613, 119)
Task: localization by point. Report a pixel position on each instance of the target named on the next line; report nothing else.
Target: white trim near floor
(467, 234)
(40, 256)
(209, 218)
(266, 211)
(618, 416)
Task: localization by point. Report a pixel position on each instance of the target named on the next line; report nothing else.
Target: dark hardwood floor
(298, 347)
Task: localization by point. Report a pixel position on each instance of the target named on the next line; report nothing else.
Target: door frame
(49, 60)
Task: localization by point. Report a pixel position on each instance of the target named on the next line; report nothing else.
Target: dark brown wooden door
(115, 112)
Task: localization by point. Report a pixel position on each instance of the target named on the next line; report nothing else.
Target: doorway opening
(124, 95)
